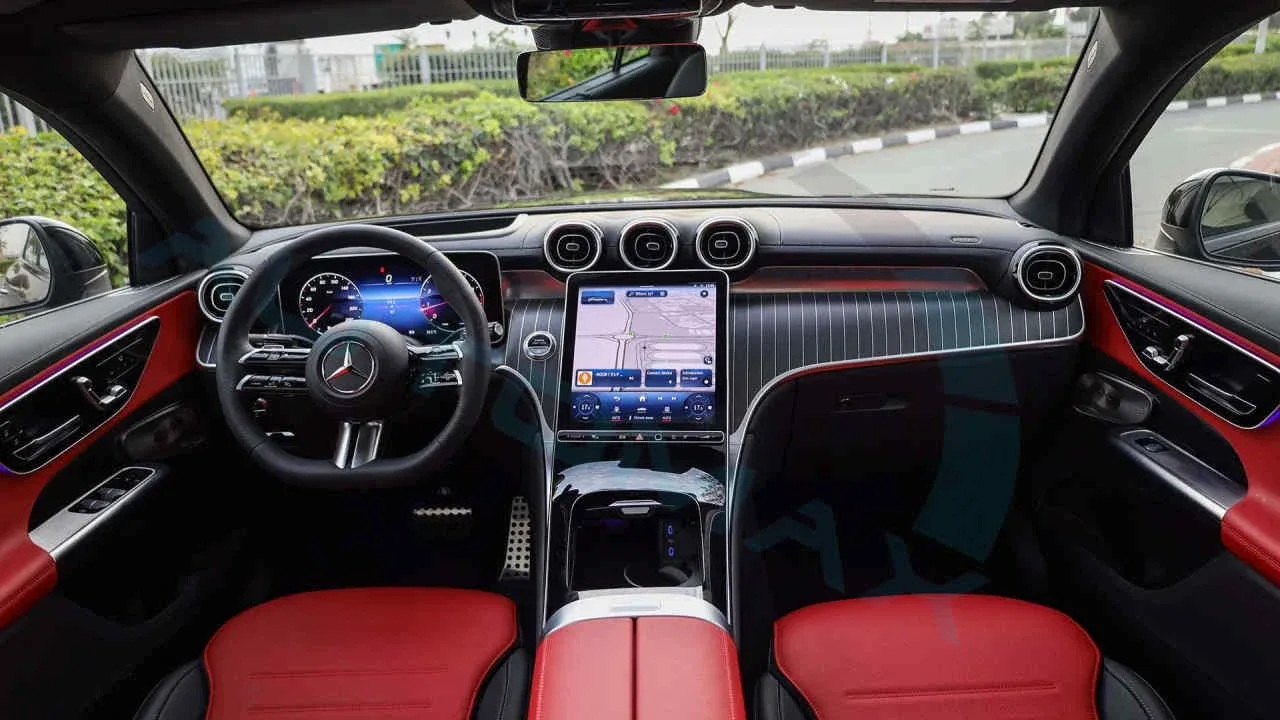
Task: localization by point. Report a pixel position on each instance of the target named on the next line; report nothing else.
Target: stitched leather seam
(998, 689)
(1258, 553)
(286, 674)
(777, 660)
(18, 595)
(275, 709)
(1132, 693)
(728, 671)
(169, 695)
(506, 685)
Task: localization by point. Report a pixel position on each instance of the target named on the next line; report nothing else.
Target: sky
(753, 27)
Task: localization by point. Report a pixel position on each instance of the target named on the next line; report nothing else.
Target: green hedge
(1234, 76)
(43, 175)
(308, 159)
(331, 106)
(997, 69)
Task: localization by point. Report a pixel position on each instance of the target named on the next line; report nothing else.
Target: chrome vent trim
(209, 293)
(1048, 257)
(716, 258)
(632, 257)
(589, 232)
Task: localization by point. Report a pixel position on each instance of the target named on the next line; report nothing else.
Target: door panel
(1158, 524)
(27, 572)
(1250, 528)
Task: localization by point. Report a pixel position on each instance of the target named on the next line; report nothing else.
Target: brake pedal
(519, 541)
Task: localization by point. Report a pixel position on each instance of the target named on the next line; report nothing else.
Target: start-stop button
(539, 345)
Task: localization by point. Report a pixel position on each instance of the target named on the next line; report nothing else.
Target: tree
(504, 38)
(1081, 14)
(911, 36)
(974, 31)
(407, 38)
(1031, 24)
(723, 32)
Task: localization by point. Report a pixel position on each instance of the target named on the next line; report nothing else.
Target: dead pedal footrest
(519, 541)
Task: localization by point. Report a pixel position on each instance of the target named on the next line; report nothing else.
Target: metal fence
(196, 83)
(15, 115)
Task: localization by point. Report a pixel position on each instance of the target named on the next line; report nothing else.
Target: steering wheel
(359, 371)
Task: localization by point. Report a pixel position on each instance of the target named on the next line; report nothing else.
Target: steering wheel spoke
(358, 443)
(435, 366)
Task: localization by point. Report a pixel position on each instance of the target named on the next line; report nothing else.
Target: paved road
(997, 163)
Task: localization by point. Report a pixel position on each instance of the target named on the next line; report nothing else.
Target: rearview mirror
(1226, 216)
(629, 72)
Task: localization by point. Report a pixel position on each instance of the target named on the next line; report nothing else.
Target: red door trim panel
(28, 573)
(1251, 527)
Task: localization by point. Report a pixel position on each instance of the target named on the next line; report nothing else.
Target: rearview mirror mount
(624, 72)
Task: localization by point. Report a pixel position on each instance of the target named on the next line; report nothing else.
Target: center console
(641, 426)
(636, 580)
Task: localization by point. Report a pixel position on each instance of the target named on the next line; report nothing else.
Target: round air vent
(1047, 273)
(573, 246)
(725, 243)
(217, 290)
(648, 244)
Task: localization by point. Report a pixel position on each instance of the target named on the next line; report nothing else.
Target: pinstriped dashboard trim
(772, 335)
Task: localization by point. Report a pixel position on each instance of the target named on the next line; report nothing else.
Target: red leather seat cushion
(361, 653)
(938, 657)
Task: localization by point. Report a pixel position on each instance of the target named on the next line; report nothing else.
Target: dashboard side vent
(648, 244)
(573, 246)
(217, 290)
(725, 243)
(1048, 273)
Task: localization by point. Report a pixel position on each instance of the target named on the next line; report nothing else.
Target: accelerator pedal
(519, 541)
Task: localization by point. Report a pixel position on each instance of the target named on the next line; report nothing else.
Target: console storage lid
(642, 666)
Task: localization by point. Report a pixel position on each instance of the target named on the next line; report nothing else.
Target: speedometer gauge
(328, 299)
(436, 309)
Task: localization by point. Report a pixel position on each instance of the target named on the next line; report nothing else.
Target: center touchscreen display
(645, 356)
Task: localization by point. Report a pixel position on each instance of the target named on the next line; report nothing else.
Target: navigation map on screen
(645, 355)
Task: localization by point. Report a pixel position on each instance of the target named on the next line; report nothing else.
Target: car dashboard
(810, 289)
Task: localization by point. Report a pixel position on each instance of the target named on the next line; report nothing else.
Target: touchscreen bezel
(568, 334)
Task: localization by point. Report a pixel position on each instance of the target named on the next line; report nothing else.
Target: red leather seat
(360, 653)
(944, 657)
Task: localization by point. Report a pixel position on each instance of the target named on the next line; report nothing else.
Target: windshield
(797, 103)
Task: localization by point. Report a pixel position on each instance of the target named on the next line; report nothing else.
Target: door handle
(99, 402)
(1222, 398)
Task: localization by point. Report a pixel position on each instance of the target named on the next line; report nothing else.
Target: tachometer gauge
(328, 299)
(436, 309)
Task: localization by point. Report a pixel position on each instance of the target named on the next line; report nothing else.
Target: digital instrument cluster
(329, 290)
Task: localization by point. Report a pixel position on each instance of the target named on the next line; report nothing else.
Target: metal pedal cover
(519, 541)
(443, 521)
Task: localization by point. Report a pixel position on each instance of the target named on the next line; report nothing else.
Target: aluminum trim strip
(635, 605)
(60, 533)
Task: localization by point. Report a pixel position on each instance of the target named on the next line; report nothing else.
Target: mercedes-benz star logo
(348, 367)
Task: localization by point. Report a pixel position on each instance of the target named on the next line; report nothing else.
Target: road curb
(812, 156)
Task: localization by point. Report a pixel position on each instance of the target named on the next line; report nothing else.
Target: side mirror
(627, 72)
(1226, 216)
(46, 263)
